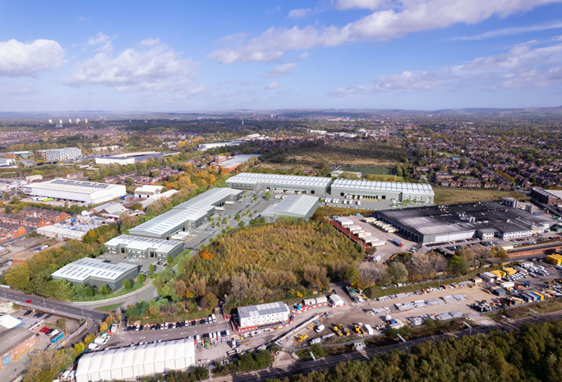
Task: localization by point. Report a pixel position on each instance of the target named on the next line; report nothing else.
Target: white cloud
(158, 68)
(81, 18)
(273, 85)
(299, 13)
(281, 70)
(99, 39)
(303, 55)
(509, 31)
(388, 23)
(150, 42)
(19, 59)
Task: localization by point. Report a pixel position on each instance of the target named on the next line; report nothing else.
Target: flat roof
(262, 310)
(292, 204)
(555, 193)
(367, 185)
(65, 232)
(238, 160)
(76, 186)
(9, 322)
(11, 338)
(290, 180)
(82, 269)
(141, 243)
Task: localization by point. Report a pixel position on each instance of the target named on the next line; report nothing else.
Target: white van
(214, 317)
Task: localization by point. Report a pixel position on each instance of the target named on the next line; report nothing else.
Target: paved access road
(281, 372)
(50, 305)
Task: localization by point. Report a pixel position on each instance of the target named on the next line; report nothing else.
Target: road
(322, 364)
(50, 305)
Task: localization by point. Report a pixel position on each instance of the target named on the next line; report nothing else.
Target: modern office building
(258, 315)
(287, 184)
(56, 155)
(485, 220)
(95, 272)
(376, 190)
(185, 216)
(143, 247)
(134, 362)
(75, 191)
(294, 206)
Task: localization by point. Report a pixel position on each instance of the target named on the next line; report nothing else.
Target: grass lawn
(110, 308)
(340, 211)
(385, 178)
(459, 195)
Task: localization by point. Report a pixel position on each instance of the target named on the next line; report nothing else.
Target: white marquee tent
(136, 361)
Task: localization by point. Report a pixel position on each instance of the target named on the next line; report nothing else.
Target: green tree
(61, 324)
(397, 272)
(127, 284)
(141, 278)
(212, 300)
(169, 259)
(151, 268)
(398, 171)
(105, 290)
(267, 195)
(458, 265)
(136, 206)
(129, 181)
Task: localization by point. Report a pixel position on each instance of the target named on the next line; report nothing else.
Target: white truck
(369, 329)
(319, 328)
(316, 341)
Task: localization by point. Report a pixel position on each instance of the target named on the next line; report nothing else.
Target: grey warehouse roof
(292, 204)
(82, 269)
(262, 310)
(143, 243)
(294, 180)
(414, 188)
(73, 186)
(11, 338)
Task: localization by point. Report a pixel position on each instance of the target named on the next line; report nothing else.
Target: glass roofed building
(257, 315)
(96, 272)
(294, 206)
(185, 216)
(311, 185)
(375, 190)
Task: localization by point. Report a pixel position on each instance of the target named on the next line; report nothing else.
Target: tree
(136, 206)
(105, 290)
(61, 324)
(397, 272)
(129, 181)
(169, 259)
(267, 195)
(90, 337)
(203, 303)
(212, 300)
(180, 288)
(398, 171)
(151, 268)
(458, 265)
(141, 278)
(18, 276)
(127, 284)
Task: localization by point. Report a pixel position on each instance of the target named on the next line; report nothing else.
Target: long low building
(484, 220)
(187, 215)
(143, 247)
(310, 185)
(61, 233)
(132, 362)
(14, 342)
(76, 191)
(376, 190)
(294, 206)
(264, 314)
(95, 272)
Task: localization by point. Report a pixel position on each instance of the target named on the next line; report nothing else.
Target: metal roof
(238, 160)
(292, 204)
(82, 269)
(417, 188)
(81, 187)
(140, 243)
(289, 180)
(262, 310)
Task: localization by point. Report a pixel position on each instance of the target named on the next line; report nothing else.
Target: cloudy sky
(264, 54)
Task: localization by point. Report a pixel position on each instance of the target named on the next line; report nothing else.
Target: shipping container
(363, 234)
(369, 329)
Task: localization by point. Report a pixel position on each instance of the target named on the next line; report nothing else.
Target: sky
(181, 56)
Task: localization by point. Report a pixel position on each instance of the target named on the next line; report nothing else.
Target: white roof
(111, 208)
(367, 185)
(77, 186)
(9, 322)
(82, 269)
(148, 188)
(65, 233)
(238, 159)
(292, 205)
(143, 243)
(289, 180)
(135, 361)
(262, 310)
(148, 201)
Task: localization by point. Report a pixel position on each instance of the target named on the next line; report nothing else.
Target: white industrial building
(146, 191)
(96, 272)
(294, 206)
(55, 155)
(60, 233)
(258, 315)
(336, 300)
(376, 190)
(287, 184)
(76, 191)
(168, 194)
(208, 146)
(132, 362)
(114, 160)
(143, 247)
(187, 215)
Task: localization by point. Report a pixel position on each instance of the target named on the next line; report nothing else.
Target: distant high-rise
(55, 155)
(69, 120)
(77, 120)
(50, 121)
(85, 120)
(60, 121)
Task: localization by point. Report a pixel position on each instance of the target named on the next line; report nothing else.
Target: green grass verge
(110, 308)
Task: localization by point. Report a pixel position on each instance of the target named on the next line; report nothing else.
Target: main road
(50, 305)
(280, 372)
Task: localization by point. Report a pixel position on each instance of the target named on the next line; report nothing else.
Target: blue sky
(219, 55)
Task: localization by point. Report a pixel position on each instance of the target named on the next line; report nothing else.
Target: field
(454, 196)
(351, 153)
(340, 211)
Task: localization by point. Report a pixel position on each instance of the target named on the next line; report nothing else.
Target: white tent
(136, 361)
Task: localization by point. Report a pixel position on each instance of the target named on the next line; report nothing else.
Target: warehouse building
(14, 342)
(95, 272)
(76, 191)
(143, 247)
(287, 184)
(237, 161)
(187, 215)
(376, 190)
(552, 197)
(485, 220)
(56, 155)
(293, 206)
(133, 362)
(61, 232)
(258, 315)
(210, 146)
